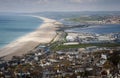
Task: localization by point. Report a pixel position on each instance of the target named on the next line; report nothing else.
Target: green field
(86, 19)
(62, 47)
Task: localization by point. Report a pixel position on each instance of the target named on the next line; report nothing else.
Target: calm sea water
(100, 29)
(14, 26)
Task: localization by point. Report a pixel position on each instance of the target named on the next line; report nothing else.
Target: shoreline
(42, 35)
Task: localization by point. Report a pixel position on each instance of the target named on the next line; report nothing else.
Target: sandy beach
(44, 34)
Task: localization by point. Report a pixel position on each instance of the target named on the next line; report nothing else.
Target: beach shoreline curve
(42, 35)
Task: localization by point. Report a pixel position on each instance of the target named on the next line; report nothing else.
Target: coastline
(43, 35)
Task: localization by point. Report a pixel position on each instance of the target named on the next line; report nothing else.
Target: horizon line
(62, 11)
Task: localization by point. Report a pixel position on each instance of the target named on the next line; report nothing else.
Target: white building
(104, 38)
(70, 38)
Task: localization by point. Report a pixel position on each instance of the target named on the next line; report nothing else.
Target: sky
(58, 5)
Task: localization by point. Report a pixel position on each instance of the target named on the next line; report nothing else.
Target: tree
(114, 58)
(107, 65)
(37, 71)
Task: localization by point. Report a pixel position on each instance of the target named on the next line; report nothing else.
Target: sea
(14, 26)
(99, 29)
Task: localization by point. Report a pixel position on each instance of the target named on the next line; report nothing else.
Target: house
(71, 43)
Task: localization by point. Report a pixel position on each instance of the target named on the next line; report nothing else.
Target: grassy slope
(62, 47)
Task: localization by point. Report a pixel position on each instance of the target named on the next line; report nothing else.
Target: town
(93, 37)
(97, 19)
(79, 55)
(59, 38)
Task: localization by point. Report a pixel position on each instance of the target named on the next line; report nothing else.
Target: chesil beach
(42, 35)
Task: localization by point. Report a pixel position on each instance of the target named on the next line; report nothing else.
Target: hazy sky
(58, 5)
